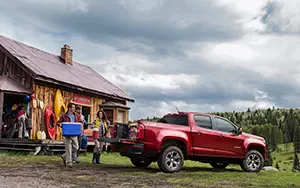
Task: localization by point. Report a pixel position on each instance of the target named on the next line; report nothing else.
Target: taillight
(140, 132)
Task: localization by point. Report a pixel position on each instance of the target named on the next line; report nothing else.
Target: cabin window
(121, 116)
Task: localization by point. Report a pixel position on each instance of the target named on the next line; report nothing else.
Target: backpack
(84, 142)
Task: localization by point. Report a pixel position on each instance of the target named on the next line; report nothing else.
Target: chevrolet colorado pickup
(189, 136)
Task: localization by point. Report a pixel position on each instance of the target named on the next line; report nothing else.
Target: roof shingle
(50, 66)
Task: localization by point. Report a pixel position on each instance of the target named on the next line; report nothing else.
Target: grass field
(117, 171)
(284, 156)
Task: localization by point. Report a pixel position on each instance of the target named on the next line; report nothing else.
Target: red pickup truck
(189, 136)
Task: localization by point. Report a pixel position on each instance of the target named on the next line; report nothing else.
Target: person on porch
(21, 118)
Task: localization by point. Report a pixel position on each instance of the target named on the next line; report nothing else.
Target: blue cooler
(71, 129)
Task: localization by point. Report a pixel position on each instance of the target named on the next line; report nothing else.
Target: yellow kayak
(59, 109)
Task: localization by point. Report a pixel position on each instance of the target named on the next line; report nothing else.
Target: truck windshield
(175, 119)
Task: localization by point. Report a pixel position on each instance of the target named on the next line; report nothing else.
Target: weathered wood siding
(47, 95)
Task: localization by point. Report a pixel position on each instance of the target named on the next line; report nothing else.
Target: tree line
(277, 126)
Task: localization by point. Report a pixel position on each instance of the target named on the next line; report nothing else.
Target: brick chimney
(67, 54)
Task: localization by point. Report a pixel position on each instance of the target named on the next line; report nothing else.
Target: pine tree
(242, 117)
(280, 124)
(286, 125)
(297, 139)
(269, 115)
(292, 124)
(269, 161)
(232, 119)
(281, 138)
(274, 137)
(296, 163)
(274, 118)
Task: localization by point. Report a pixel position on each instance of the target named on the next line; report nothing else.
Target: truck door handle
(221, 136)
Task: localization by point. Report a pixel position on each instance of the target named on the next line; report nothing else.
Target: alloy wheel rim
(253, 162)
(173, 160)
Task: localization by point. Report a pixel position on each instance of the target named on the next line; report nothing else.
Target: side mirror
(239, 131)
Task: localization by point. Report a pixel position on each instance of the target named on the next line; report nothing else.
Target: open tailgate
(117, 140)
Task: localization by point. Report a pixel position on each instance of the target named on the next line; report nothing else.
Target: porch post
(1, 111)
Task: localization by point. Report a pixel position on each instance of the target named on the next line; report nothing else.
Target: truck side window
(203, 121)
(224, 126)
(175, 120)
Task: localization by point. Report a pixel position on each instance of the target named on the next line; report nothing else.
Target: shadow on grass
(126, 168)
(206, 169)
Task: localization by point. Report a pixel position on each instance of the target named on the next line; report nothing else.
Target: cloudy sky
(204, 55)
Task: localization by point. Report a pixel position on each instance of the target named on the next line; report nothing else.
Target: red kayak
(50, 122)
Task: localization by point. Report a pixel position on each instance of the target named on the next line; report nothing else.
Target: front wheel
(219, 165)
(171, 160)
(140, 163)
(253, 161)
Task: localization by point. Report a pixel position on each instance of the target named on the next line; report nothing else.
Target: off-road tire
(171, 160)
(253, 161)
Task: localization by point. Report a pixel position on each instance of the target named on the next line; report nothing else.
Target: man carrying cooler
(71, 142)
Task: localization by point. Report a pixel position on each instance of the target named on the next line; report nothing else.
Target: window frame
(216, 125)
(211, 120)
(187, 120)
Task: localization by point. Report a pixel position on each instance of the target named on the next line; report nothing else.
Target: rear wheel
(140, 162)
(253, 161)
(219, 165)
(171, 160)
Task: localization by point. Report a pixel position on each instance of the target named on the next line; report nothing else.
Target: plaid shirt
(66, 118)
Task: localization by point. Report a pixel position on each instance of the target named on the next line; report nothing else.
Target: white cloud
(250, 12)
(144, 80)
(76, 5)
(245, 7)
(235, 51)
(141, 5)
(266, 54)
(285, 17)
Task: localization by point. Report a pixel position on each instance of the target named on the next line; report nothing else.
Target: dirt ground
(82, 175)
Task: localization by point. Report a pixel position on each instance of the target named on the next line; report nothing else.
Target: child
(132, 131)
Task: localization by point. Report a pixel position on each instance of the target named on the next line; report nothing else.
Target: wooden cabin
(25, 70)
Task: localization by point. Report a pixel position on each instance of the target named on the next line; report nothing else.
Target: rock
(270, 168)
